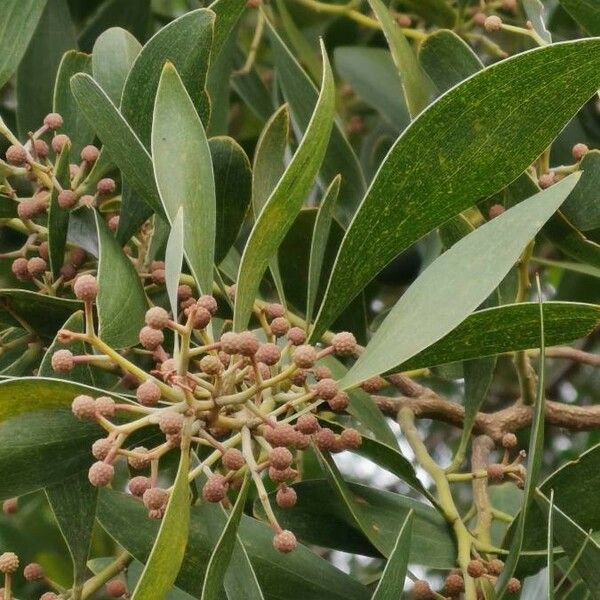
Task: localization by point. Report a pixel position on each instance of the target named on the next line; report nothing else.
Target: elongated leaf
(550, 546)
(113, 55)
(374, 78)
(174, 259)
(414, 81)
(436, 11)
(426, 179)
(227, 13)
(301, 95)
(168, 551)
(183, 172)
(233, 191)
(19, 19)
(392, 579)
(53, 36)
(117, 137)
(121, 302)
(284, 203)
(582, 207)
(73, 503)
(447, 59)
(80, 132)
(319, 244)
(585, 12)
(455, 284)
(58, 218)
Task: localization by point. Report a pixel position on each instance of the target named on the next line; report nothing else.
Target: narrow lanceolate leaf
(319, 244)
(392, 580)
(426, 179)
(414, 80)
(117, 137)
(58, 218)
(534, 463)
(286, 200)
(19, 19)
(121, 300)
(585, 12)
(455, 284)
(219, 560)
(174, 259)
(582, 207)
(73, 503)
(168, 551)
(184, 174)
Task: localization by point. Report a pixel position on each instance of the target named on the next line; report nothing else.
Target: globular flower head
(274, 311)
(215, 488)
(475, 568)
(268, 354)
(138, 485)
(280, 458)
(281, 435)
(304, 356)
(155, 498)
(248, 344)
(421, 590)
(41, 148)
(230, 343)
(351, 439)
(233, 459)
(33, 572)
(86, 288)
(16, 155)
(19, 269)
(36, 266)
(148, 393)
(170, 422)
(150, 338)
(325, 439)
(59, 142)
(105, 406)
(454, 585)
(9, 562)
(325, 388)
(200, 317)
(307, 424)
(339, 402)
(284, 541)
(344, 343)
(90, 154)
(62, 361)
(53, 120)
(101, 448)
(101, 474)
(157, 317)
(286, 497)
(280, 326)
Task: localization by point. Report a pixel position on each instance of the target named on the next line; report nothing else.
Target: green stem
(94, 584)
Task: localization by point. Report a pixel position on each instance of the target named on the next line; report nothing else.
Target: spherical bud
(299, 378)
(150, 338)
(157, 317)
(454, 584)
(139, 485)
(101, 448)
(36, 266)
(304, 356)
(105, 406)
(339, 402)
(224, 358)
(88, 200)
(495, 472)
(403, 20)
(280, 458)
(9, 562)
(492, 23)
(68, 272)
(207, 302)
(19, 269)
(274, 311)
(233, 459)
(211, 365)
(280, 435)
(301, 441)
(41, 148)
(59, 142)
(280, 326)
(33, 572)
(325, 389)
(73, 170)
(53, 120)
(579, 151)
(284, 541)
(253, 4)
(155, 498)
(200, 317)
(351, 439)
(101, 474)
(268, 354)
(286, 497)
(90, 154)
(16, 155)
(215, 488)
(116, 588)
(344, 343)
(495, 211)
(49, 596)
(356, 125)
(421, 590)
(509, 5)
(248, 344)
(325, 439)
(10, 507)
(495, 566)
(158, 276)
(106, 186)
(62, 361)
(86, 288)
(184, 292)
(230, 343)
(77, 256)
(322, 373)
(546, 180)
(148, 393)
(307, 424)
(513, 586)
(170, 422)
(141, 460)
(475, 568)
(113, 223)
(509, 441)
(188, 303)
(43, 250)
(280, 475)
(27, 209)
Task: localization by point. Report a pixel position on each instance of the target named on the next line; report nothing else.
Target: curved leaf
(174, 260)
(585, 12)
(582, 207)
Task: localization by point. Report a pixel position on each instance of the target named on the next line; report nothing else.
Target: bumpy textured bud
(53, 120)
(106, 186)
(475, 568)
(16, 155)
(280, 475)
(33, 572)
(280, 435)
(148, 393)
(10, 507)
(284, 541)
(141, 461)
(9, 562)
(211, 365)
(155, 498)
(579, 151)
(86, 288)
(280, 458)
(101, 474)
(509, 441)
(184, 292)
(304, 356)
(492, 23)
(105, 406)
(233, 459)
(344, 343)
(268, 354)
(41, 148)
(67, 199)
(351, 439)
(495, 472)
(77, 256)
(88, 200)
(36, 266)
(373, 384)
(113, 223)
(62, 361)
(157, 317)
(454, 584)
(170, 422)
(513, 586)
(138, 485)
(299, 378)
(116, 588)
(208, 302)
(59, 142)
(326, 388)
(90, 154)
(301, 441)
(43, 250)
(27, 209)
(322, 373)
(151, 338)
(248, 343)
(286, 497)
(101, 448)
(495, 566)
(274, 311)
(158, 276)
(546, 180)
(280, 326)
(19, 269)
(339, 402)
(230, 343)
(200, 317)
(215, 488)
(307, 424)
(68, 272)
(168, 366)
(421, 590)
(49, 596)
(325, 439)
